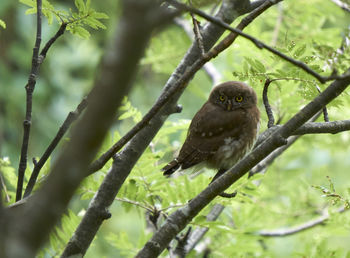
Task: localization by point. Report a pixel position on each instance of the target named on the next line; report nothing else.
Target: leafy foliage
(77, 21)
(331, 194)
(288, 194)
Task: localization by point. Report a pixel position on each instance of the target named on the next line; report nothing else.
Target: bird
(222, 132)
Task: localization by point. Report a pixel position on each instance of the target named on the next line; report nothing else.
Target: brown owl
(222, 131)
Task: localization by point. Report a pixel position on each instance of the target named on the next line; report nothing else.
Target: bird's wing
(207, 133)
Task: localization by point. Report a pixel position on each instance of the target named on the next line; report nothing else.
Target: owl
(222, 131)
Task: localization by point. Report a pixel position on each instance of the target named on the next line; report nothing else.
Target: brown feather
(220, 134)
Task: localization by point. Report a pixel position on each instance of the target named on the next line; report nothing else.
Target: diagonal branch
(50, 42)
(180, 218)
(257, 42)
(72, 116)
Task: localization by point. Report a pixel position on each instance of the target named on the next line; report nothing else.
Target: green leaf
(87, 4)
(31, 11)
(30, 3)
(80, 31)
(93, 23)
(300, 51)
(259, 66)
(99, 15)
(80, 5)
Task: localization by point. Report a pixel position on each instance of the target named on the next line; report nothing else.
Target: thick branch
(180, 218)
(327, 127)
(31, 224)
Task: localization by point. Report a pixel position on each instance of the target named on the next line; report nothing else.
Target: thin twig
(271, 119)
(208, 67)
(49, 43)
(257, 42)
(3, 188)
(324, 109)
(135, 203)
(197, 34)
(36, 61)
(180, 249)
(72, 116)
(293, 230)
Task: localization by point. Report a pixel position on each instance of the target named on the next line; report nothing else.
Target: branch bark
(29, 226)
(29, 103)
(180, 218)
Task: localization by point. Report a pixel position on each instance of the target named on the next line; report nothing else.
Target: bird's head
(233, 95)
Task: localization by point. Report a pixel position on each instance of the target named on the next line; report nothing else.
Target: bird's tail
(171, 167)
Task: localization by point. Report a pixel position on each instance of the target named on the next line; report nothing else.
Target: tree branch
(326, 127)
(195, 62)
(198, 233)
(126, 159)
(72, 116)
(29, 103)
(257, 42)
(269, 113)
(293, 230)
(30, 225)
(258, 168)
(208, 67)
(181, 217)
(36, 63)
(50, 42)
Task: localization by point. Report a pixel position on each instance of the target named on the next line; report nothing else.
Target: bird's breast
(232, 150)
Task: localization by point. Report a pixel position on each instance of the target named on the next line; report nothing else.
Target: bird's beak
(229, 105)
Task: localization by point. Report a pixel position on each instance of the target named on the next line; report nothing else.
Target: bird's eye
(239, 98)
(222, 98)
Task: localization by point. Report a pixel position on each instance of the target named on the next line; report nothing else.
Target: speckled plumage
(222, 131)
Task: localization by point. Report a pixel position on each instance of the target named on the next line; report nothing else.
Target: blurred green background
(311, 31)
